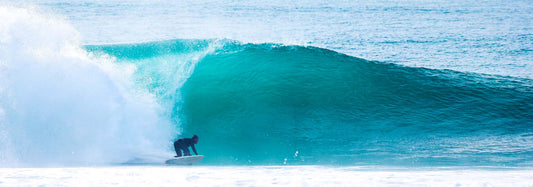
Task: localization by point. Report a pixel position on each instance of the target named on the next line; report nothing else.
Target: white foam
(59, 104)
(259, 176)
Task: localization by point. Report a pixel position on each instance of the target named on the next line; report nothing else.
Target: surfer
(183, 144)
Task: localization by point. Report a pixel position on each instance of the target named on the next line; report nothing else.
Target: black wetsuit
(184, 144)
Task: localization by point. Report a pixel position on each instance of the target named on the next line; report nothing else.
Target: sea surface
(431, 91)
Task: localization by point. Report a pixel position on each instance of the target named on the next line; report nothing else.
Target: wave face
(275, 104)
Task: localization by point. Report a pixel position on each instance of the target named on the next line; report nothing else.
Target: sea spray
(62, 105)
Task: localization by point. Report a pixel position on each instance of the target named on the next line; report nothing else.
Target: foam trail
(60, 104)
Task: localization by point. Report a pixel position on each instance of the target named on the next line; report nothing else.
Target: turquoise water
(277, 104)
(363, 83)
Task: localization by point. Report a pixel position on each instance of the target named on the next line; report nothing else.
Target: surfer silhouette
(183, 144)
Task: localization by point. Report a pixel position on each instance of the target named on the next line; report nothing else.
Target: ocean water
(354, 88)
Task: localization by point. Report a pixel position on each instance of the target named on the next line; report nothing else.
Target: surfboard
(185, 160)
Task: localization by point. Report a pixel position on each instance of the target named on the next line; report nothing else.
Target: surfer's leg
(177, 148)
(186, 152)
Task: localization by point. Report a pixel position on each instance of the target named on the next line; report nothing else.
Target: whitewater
(417, 93)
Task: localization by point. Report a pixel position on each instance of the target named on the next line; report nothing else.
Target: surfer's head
(195, 139)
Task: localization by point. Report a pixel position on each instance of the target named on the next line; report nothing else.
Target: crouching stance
(183, 144)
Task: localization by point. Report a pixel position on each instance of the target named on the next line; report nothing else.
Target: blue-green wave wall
(270, 104)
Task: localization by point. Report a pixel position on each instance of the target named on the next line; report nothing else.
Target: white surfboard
(185, 160)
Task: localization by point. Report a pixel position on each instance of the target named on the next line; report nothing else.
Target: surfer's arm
(194, 149)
